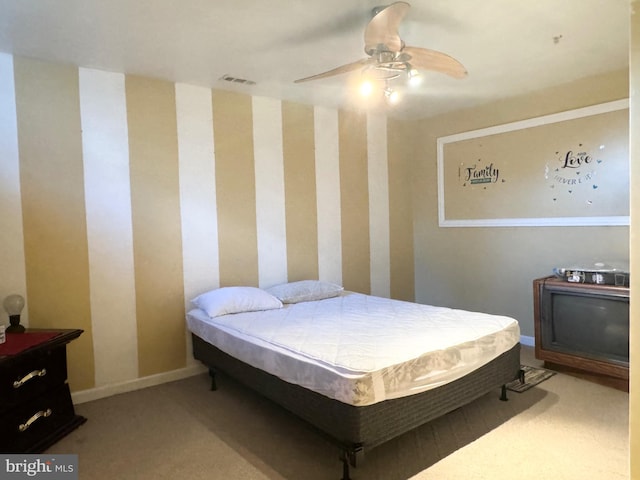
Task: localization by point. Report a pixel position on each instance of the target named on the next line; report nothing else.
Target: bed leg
(351, 456)
(212, 374)
(503, 395)
(345, 466)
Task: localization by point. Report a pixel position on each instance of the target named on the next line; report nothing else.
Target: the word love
(576, 160)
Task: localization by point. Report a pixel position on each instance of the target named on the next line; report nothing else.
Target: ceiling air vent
(241, 81)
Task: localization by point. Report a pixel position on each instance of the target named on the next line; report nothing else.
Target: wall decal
(479, 173)
(575, 168)
(564, 169)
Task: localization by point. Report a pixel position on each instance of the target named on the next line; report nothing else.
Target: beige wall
(131, 195)
(634, 406)
(491, 269)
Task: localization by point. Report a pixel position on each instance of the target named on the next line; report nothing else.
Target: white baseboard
(83, 396)
(528, 341)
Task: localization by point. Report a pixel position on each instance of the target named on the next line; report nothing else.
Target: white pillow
(222, 301)
(305, 291)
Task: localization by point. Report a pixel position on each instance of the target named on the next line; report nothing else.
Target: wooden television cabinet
(583, 328)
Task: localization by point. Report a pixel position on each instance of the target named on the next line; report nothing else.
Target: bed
(361, 369)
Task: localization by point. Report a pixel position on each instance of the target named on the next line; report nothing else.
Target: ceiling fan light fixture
(414, 77)
(391, 96)
(366, 88)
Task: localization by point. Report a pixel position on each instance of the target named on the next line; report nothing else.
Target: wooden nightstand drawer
(31, 375)
(23, 427)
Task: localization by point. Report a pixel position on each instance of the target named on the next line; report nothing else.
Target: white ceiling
(509, 47)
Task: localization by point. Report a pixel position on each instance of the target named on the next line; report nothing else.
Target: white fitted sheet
(361, 349)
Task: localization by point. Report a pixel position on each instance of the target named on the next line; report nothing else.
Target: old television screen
(590, 325)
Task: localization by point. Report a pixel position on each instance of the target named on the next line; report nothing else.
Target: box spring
(353, 427)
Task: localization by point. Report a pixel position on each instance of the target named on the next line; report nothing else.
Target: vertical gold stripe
(300, 191)
(354, 193)
(235, 188)
(55, 233)
(400, 212)
(155, 211)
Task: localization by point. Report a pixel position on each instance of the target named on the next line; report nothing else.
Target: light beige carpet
(563, 428)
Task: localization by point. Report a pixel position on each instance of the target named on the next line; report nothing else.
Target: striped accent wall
(123, 197)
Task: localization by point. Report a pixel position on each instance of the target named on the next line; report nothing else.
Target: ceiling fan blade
(336, 71)
(425, 59)
(383, 28)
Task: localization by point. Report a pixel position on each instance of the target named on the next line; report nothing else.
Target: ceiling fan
(388, 56)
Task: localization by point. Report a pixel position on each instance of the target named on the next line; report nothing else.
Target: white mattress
(360, 349)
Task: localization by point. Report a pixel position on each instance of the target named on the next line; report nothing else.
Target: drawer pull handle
(29, 376)
(42, 413)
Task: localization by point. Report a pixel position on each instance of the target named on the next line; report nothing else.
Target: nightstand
(35, 402)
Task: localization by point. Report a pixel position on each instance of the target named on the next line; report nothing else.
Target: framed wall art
(564, 169)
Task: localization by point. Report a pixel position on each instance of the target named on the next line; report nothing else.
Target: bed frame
(354, 428)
